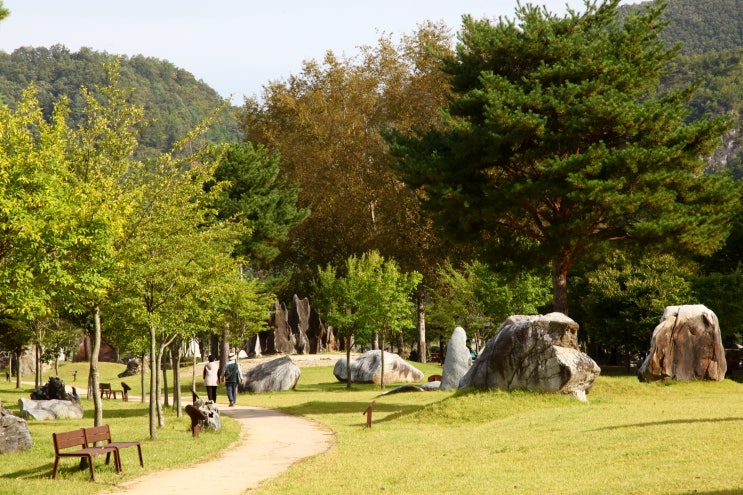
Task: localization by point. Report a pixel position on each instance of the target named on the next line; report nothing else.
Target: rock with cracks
(274, 376)
(49, 409)
(367, 368)
(14, 433)
(538, 353)
(686, 345)
(458, 360)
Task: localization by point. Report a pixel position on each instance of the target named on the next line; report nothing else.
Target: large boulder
(367, 368)
(538, 353)
(457, 362)
(14, 433)
(273, 376)
(49, 409)
(686, 345)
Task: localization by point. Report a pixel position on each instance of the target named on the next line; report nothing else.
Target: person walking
(232, 376)
(211, 378)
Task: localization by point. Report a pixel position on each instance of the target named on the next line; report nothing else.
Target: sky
(236, 46)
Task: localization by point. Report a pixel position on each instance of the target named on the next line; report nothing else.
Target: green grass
(29, 472)
(630, 438)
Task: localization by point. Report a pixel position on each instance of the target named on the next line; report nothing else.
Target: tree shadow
(668, 422)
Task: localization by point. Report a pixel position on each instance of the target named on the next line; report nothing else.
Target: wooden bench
(97, 434)
(107, 391)
(76, 438)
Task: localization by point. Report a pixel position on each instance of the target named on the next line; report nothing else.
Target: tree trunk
(375, 341)
(421, 326)
(153, 385)
(164, 367)
(348, 361)
(142, 377)
(37, 368)
(401, 345)
(224, 347)
(175, 355)
(193, 369)
(381, 375)
(158, 389)
(560, 286)
(94, 378)
(17, 370)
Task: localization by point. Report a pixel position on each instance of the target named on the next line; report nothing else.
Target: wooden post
(368, 413)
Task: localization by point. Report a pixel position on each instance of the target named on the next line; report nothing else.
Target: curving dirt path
(270, 441)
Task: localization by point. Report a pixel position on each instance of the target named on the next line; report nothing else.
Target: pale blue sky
(235, 46)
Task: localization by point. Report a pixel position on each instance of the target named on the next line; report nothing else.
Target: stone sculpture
(686, 345)
(458, 360)
(14, 433)
(538, 353)
(273, 376)
(49, 409)
(367, 368)
(55, 389)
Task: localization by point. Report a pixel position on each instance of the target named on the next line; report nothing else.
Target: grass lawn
(630, 438)
(29, 472)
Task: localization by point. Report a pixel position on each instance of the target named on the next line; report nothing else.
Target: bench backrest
(104, 386)
(97, 434)
(67, 439)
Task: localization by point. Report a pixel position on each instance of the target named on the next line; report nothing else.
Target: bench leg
(90, 466)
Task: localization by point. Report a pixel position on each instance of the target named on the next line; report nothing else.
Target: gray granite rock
(538, 353)
(49, 409)
(458, 360)
(273, 376)
(14, 433)
(367, 368)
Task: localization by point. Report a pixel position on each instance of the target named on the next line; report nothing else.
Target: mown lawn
(630, 438)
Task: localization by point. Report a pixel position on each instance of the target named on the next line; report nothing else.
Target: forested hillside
(173, 99)
(711, 36)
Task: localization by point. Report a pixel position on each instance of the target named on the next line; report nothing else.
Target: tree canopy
(556, 141)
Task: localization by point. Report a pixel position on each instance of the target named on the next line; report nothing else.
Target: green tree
(556, 143)
(35, 208)
(478, 298)
(255, 193)
(620, 302)
(371, 295)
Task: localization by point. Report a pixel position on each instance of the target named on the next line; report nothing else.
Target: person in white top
(211, 378)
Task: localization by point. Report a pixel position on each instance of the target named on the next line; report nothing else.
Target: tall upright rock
(686, 345)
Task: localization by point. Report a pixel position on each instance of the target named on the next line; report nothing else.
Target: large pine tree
(556, 141)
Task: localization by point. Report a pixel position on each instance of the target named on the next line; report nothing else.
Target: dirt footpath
(270, 442)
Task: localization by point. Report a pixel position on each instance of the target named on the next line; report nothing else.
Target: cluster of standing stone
(298, 330)
(541, 353)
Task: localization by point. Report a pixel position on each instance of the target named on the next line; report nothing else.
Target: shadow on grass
(320, 408)
(670, 422)
(715, 492)
(38, 472)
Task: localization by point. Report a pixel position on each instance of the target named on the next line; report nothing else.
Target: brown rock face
(686, 345)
